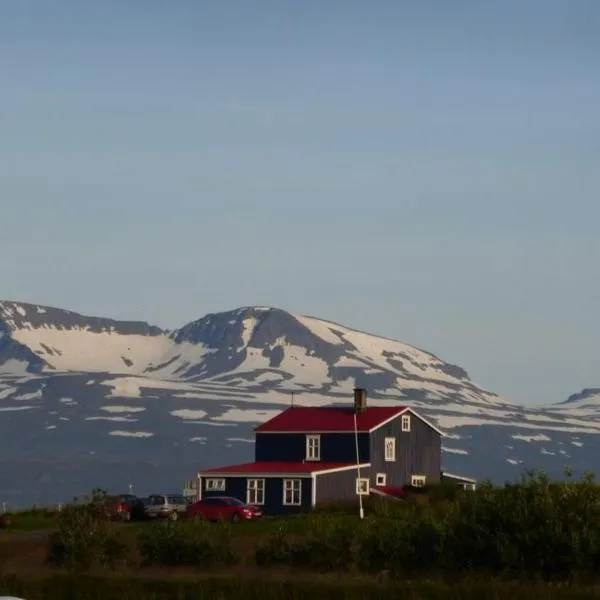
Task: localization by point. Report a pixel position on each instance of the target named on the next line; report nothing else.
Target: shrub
(85, 539)
(192, 543)
(326, 545)
(276, 549)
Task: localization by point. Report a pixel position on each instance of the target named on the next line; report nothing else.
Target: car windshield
(234, 502)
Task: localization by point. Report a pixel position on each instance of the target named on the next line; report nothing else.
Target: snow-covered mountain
(88, 402)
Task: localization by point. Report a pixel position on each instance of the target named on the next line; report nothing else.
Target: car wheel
(235, 518)
(174, 516)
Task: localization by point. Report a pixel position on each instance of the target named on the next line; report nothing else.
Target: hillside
(86, 401)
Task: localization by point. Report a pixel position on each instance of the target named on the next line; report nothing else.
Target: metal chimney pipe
(360, 400)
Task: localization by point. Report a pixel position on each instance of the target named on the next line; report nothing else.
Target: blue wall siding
(418, 452)
(335, 447)
(237, 487)
(339, 486)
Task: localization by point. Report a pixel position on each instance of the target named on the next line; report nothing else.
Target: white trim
(420, 479)
(405, 419)
(378, 476)
(199, 480)
(283, 488)
(340, 469)
(215, 484)
(258, 488)
(386, 441)
(360, 481)
(313, 490)
(316, 439)
(362, 431)
(458, 477)
(257, 475)
(284, 475)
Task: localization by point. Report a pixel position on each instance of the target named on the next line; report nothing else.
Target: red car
(223, 508)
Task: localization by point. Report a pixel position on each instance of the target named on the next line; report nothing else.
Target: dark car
(124, 507)
(223, 508)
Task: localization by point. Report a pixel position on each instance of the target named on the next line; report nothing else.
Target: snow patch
(454, 450)
(15, 408)
(187, 413)
(130, 434)
(122, 409)
(251, 416)
(114, 419)
(532, 438)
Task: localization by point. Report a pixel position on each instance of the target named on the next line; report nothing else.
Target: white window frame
(363, 486)
(294, 487)
(255, 492)
(215, 485)
(405, 424)
(313, 447)
(380, 479)
(418, 481)
(389, 457)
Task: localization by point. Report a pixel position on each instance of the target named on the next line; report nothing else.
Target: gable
(331, 419)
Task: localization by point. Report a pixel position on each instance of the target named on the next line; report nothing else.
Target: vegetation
(194, 544)
(533, 531)
(71, 587)
(86, 537)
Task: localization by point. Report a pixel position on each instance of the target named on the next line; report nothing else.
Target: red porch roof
(277, 468)
(315, 419)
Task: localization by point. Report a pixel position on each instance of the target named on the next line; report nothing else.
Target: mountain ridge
(78, 390)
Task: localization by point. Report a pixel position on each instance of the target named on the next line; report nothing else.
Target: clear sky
(428, 171)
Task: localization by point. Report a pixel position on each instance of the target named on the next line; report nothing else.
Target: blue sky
(427, 171)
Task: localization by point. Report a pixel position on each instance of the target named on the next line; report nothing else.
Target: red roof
(309, 419)
(277, 468)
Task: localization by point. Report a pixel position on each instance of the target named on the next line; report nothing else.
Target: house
(305, 456)
(464, 482)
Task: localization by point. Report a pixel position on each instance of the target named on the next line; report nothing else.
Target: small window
(313, 447)
(405, 422)
(362, 486)
(215, 485)
(255, 491)
(390, 449)
(292, 492)
(418, 480)
(380, 479)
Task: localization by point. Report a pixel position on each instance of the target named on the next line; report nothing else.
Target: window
(380, 479)
(362, 486)
(405, 422)
(390, 449)
(215, 485)
(418, 480)
(292, 492)
(313, 447)
(255, 491)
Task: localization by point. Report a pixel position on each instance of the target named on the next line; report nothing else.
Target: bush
(85, 538)
(536, 528)
(326, 545)
(191, 543)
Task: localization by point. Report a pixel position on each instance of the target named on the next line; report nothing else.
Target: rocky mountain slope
(88, 402)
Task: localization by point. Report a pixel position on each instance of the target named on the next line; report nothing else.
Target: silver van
(166, 506)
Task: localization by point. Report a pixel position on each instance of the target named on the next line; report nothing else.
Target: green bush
(190, 543)
(535, 528)
(276, 549)
(85, 538)
(326, 545)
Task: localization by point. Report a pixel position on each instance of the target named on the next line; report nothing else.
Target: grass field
(537, 539)
(25, 572)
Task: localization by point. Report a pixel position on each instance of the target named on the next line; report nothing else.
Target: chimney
(360, 400)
